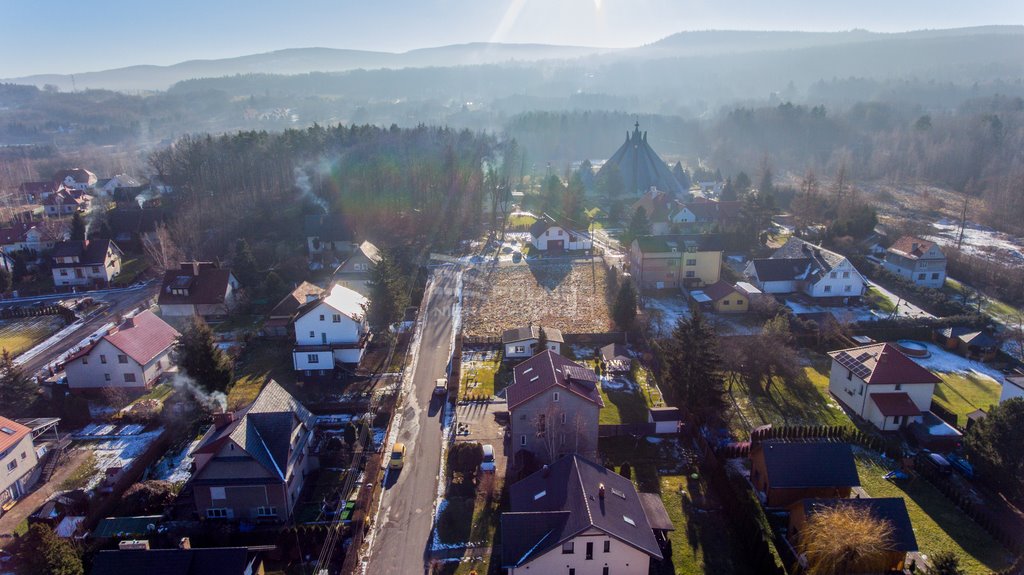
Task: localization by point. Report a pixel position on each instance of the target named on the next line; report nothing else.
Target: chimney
(222, 420)
(545, 471)
(195, 268)
(134, 545)
(600, 490)
(185, 544)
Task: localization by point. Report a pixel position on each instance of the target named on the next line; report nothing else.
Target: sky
(67, 36)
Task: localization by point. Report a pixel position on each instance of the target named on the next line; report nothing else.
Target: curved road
(403, 528)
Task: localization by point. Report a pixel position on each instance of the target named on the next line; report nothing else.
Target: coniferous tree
(389, 290)
(693, 364)
(682, 176)
(17, 391)
(742, 183)
(43, 553)
(639, 225)
(542, 340)
(624, 312)
(6, 280)
(994, 447)
(946, 563)
(244, 267)
(20, 266)
(201, 359)
(77, 227)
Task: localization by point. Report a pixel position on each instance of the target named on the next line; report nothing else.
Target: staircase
(52, 459)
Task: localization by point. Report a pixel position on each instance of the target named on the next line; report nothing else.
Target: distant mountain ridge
(306, 60)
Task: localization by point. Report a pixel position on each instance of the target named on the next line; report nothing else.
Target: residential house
(640, 167)
(1013, 387)
(882, 385)
(919, 261)
(710, 188)
(66, 203)
(85, 263)
(658, 207)
(136, 558)
(802, 267)
(724, 297)
(120, 182)
(330, 330)
(356, 272)
(32, 237)
(38, 191)
(968, 342)
(279, 322)
(706, 215)
(576, 516)
(76, 179)
(675, 261)
(666, 420)
(547, 236)
(251, 464)
(133, 225)
(891, 510)
(132, 355)
(553, 406)
(17, 460)
(521, 342)
(198, 289)
(328, 234)
(616, 359)
(784, 473)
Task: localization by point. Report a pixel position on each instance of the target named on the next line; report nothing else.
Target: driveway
(479, 422)
(403, 528)
(28, 504)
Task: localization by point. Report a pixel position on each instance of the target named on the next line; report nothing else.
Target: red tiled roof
(719, 289)
(14, 234)
(18, 432)
(548, 369)
(207, 284)
(882, 363)
(895, 404)
(143, 337)
(905, 246)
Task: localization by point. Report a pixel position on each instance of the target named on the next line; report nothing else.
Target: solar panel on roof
(864, 356)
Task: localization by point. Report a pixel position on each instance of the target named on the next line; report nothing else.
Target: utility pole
(963, 222)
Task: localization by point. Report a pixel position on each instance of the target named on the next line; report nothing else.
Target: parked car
(488, 466)
(937, 463)
(441, 386)
(517, 257)
(961, 465)
(397, 456)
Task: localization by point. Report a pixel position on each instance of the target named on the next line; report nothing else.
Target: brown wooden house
(785, 473)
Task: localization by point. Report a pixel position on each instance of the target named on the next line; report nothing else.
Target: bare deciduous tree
(161, 249)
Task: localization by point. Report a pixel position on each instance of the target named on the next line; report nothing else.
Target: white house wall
(326, 331)
(854, 393)
(90, 372)
(528, 345)
(622, 559)
(302, 360)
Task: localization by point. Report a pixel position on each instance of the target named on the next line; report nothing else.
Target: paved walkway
(27, 505)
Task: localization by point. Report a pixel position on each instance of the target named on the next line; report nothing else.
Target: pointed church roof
(641, 167)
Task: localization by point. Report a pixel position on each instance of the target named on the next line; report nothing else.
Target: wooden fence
(36, 311)
(620, 429)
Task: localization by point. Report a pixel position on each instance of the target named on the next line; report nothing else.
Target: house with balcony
(675, 261)
(330, 331)
(18, 461)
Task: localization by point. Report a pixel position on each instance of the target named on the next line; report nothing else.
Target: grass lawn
(879, 301)
(261, 361)
(237, 322)
(131, 269)
(802, 401)
(623, 407)
(489, 377)
(20, 335)
(521, 221)
(963, 393)
(938, 524)
(991, 306)
(81, 476)
(702, 542)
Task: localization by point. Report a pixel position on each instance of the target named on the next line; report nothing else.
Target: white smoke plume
(216, 401)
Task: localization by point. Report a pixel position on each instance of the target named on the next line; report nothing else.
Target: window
(129, 378)
(266, 512)
(63, 272)
(217, 513)
(590, 550)
(691, 274)
(312, 358)
(691, 262)
(103, 359)
(520, 349)
(218, 493)
(85, 360)
(935, 276)
(106, 377)
(321, 317)
(846, 275)
(726, 302)
(12, 465)
(861, 391)
(336, 318)
(360, 267)
(604, 571)
(122, 358)
(95, 269)
(572, 571)
(921, 276)
(833, 275)
(559, 233)
(563, 417)
(568, 547)
(898, 419)
(522, 440)
(828, 289)
(608, 546)
(555, 396)
(849, 375)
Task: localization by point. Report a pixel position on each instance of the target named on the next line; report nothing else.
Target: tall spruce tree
(43, 553)
(624, 311)
(244, 265)
(389, 290)
(17, 391)
(201, 359)
(77, 227)
(693, 366)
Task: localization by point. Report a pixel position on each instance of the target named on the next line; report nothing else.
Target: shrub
(456, 520)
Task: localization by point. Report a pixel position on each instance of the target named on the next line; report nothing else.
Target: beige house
(553, 405)
(85, 263)
(17, 460)
(133, 355)
(724, 297)
(521, 342)
(675, 261)
(198, 289)
(356, 272)
(882, 385)
(252, 463)
(919, 261)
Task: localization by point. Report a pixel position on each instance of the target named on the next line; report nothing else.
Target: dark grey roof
(822, 260)
(775, 270)
(546, 370)
(91, 252)
(665, 414)
(614, 351)
(891, 509)
(641, 167)
(210, 561)
(541, 225)
(657, 515)
(327, 227)
(813, 464)
(563, 500)
(531, 332)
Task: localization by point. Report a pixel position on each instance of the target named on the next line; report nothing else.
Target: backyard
(702, 541)
(483, 375)
(261, 361)
(938, 523)
(966, 385)
(20, 335)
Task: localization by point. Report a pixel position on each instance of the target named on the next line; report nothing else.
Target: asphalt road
(404, 521)
(117, 303)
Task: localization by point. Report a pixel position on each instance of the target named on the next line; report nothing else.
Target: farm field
(570, 296)
(20, 335)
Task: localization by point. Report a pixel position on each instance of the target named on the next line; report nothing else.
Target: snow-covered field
(980, 240)
(119, 452)
(946, 362)
(175, 467)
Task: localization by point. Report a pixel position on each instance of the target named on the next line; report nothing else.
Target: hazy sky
(44, 36)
